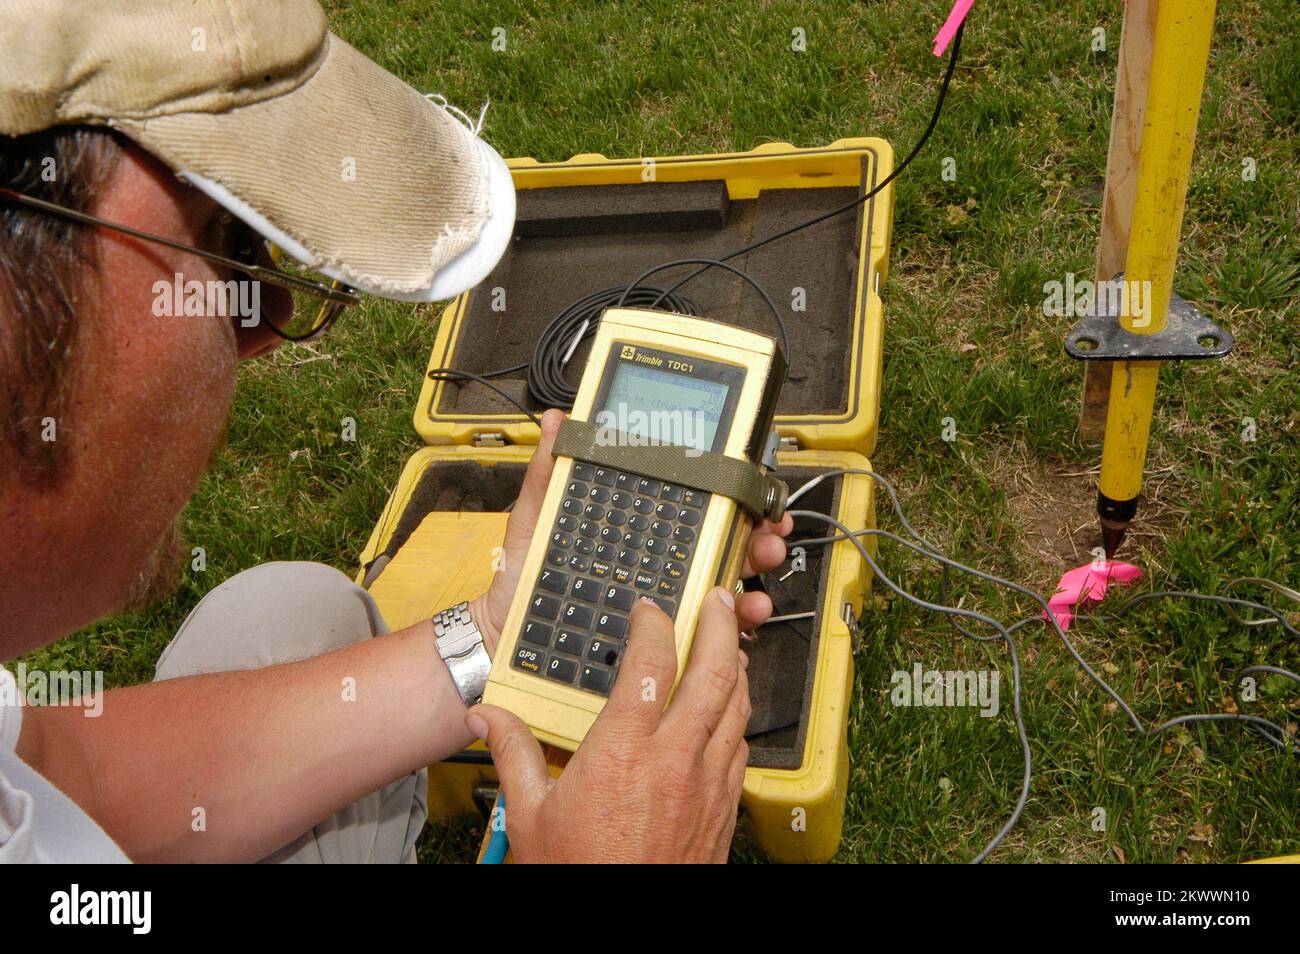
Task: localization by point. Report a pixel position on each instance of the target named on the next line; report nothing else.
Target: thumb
(518, 757)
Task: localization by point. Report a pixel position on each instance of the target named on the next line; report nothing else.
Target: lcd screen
(653, 406)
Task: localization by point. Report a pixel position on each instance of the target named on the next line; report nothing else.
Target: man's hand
(766, 547)
(649, 784)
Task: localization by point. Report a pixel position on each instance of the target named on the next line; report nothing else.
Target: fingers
(517, 755)
(736, 770)
(712, 672)
(735, 789)
(767, 546)
(523, 516)
(753, 610)
(645, 677)
(730, 732)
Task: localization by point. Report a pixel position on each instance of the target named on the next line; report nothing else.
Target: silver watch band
(460, 645)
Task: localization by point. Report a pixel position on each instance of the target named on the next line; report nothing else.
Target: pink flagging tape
(1087, 582)
(949, 28)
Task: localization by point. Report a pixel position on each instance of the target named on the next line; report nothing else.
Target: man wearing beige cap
(151, 141)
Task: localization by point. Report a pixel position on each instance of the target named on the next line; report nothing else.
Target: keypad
(618, 537)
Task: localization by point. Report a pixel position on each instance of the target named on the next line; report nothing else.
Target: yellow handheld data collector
(659, 476)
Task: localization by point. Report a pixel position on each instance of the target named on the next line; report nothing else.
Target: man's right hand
(649, 784)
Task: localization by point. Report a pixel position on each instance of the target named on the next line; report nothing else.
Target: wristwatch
(460, 645)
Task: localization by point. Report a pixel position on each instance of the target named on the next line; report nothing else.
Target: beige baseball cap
(254, 102)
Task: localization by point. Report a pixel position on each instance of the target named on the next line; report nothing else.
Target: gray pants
(281, 612)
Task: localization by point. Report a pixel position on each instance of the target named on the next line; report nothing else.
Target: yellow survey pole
(1180, 54)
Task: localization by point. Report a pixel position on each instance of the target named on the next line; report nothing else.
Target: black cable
(920, 143)
(717, 263)
(470, 757)
(453, 374)
(928, 549)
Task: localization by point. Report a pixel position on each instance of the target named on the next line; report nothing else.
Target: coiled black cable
(547, 384)
(546, 381)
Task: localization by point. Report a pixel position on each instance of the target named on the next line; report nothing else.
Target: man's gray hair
(47, 279)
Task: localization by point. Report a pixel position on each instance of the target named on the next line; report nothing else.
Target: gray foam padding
(542, 274)
(780, 660)
(781, 670)
(614, 209)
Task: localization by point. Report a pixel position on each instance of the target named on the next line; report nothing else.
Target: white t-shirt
(38, 823)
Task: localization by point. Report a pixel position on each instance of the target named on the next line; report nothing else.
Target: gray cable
(1004, 634)
(930, 550)
(1258, 722)
(1271, 731)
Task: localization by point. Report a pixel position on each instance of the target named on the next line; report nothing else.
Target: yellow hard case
(795, 814)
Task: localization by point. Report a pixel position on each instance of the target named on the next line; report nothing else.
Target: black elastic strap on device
(744, 482)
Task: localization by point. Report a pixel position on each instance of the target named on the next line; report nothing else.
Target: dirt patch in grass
(1055, 504)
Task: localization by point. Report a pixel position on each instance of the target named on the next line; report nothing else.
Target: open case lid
(592, 223)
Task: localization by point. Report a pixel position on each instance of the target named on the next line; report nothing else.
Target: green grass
(1027, 122)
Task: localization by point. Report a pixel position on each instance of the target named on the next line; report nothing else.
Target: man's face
(149, 403)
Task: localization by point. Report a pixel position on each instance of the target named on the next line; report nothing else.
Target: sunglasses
(333, 297)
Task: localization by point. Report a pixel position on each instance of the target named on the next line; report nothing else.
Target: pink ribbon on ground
(1085, 583)
(949, 28)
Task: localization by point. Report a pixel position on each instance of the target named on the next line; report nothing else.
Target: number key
(561, 670)
(553, 580)
(569, 642)
(603, 651)
(586, 590)
(539, 634)
(619, 597)
(611, 624)
(577, 616)
(547, 607)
